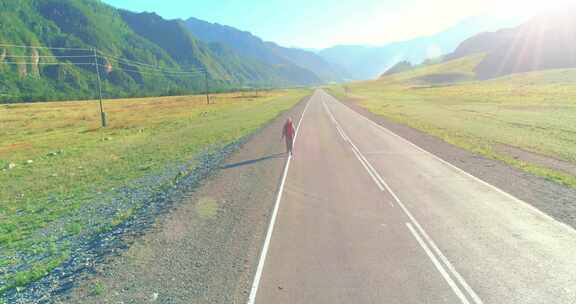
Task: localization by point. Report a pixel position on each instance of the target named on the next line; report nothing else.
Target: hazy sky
(324, 23)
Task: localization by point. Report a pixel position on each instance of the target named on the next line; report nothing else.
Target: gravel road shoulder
(552, 198)
(206, 249)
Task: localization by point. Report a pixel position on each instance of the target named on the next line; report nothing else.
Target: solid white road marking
(263, 254)
(374, 178)
(358, 156)
(365, 163)
(443, 258)
(568, 229)
(438, 266)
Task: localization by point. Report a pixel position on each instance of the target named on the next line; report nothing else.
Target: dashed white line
(427, 238)
(564, 226)
(371, 171)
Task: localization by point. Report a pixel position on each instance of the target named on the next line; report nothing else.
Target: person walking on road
(288, 134)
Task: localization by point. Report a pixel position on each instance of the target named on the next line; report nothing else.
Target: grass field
(54, 160)
(534, 112)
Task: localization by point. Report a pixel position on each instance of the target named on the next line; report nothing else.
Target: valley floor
(206, 249)
(70, 191)
(526, 120)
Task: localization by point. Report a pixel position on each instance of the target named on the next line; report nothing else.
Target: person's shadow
(252, 161)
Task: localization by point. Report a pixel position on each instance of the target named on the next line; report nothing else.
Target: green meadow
(55, 159)
(532, 112)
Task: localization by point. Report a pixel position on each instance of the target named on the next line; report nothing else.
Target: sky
(317, 24)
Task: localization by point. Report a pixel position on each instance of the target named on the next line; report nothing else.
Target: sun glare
(531, 7)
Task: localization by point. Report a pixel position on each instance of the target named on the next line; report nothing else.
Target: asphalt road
(364, 216)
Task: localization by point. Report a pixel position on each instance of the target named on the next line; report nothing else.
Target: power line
(103, 55)
(157, 72)
(47, 63)
(166, 71)
(144, 65)
(42, 47)
(138, 63)
(122, 69)
(149, 69)
(101, 65)
(139, 67)
(108, 56)
(48, 56)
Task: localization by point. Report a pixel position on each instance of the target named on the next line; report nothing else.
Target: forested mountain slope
(139, 54)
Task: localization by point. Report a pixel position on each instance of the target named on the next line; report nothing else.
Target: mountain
(147, 54)
(253, 47)
(436, 73)
(186, 48)
(545, 42)
(399, 67)
(368, 62)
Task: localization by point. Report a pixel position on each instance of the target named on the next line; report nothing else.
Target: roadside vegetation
(526, 120)
(65, 179)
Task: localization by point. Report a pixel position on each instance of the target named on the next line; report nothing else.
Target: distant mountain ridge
(542, 48)
(366, 62)
(251, 46)
(400, 67)
(544, 42)
(188, 48)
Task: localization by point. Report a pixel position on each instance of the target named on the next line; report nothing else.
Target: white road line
(342, 134)
(263, 254)
(374, 178)
(443, 258)
(358, 156)
(568, 229)
(365, 163)
(439, 266)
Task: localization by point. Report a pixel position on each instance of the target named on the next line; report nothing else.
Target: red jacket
(288, 131)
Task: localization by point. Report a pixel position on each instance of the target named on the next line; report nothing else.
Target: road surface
(364, 216)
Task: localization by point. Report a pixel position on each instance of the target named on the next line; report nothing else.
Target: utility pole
(102, 113)
(207, 87)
